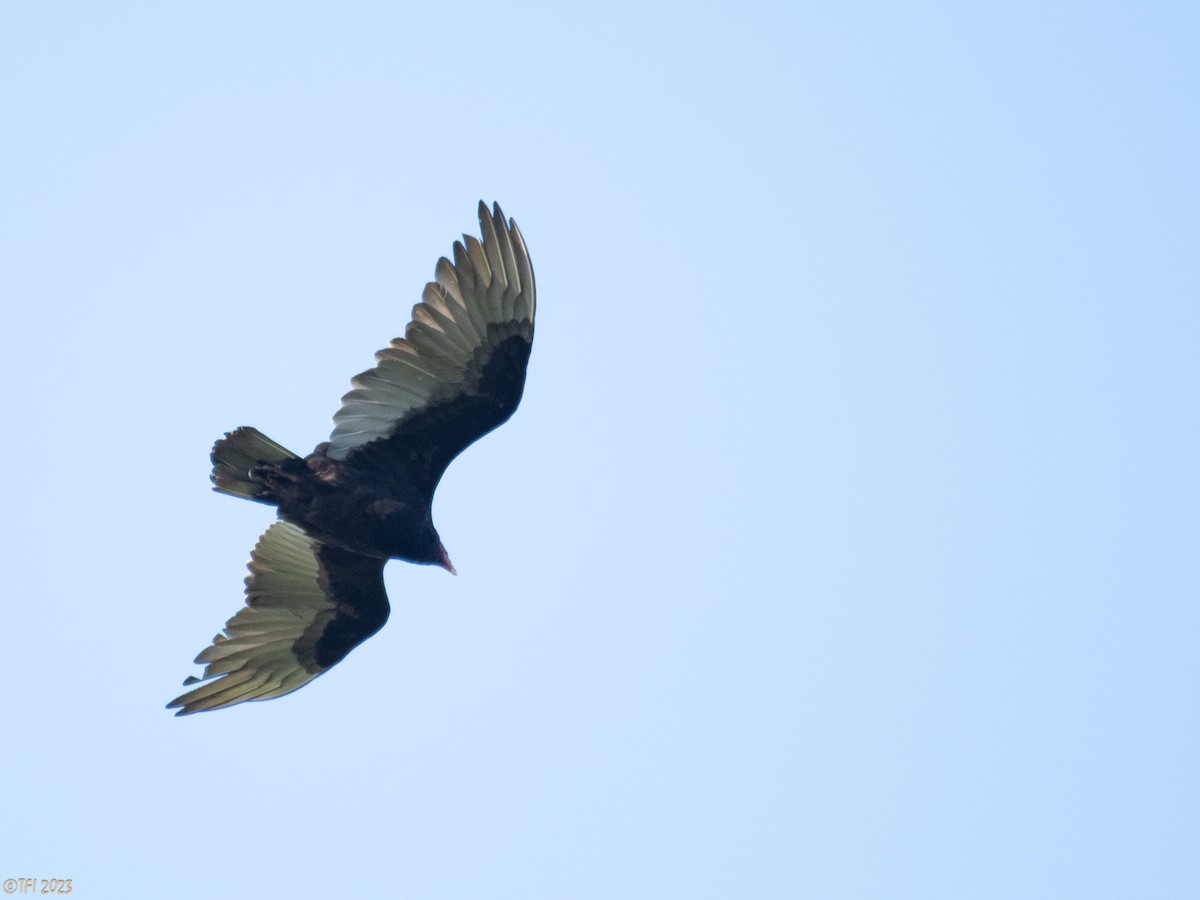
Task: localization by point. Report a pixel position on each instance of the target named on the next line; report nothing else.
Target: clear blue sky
(845, 543)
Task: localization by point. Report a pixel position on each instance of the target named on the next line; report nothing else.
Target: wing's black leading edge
(430, 439)
(355, 583)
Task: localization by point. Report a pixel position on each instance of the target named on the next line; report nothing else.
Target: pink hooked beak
(444, 560)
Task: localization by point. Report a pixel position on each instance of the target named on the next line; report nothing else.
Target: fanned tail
(235, 458)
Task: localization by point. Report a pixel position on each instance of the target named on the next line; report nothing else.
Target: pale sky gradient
(844, 546)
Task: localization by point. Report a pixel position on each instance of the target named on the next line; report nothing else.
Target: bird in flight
(315, 589)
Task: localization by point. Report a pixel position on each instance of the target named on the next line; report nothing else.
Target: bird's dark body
(342, 506)
(315, 589)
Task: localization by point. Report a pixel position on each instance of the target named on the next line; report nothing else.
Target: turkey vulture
(315, 589)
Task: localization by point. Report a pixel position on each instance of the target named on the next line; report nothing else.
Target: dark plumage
(315, 589)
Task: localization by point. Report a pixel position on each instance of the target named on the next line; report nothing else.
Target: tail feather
(237, 455)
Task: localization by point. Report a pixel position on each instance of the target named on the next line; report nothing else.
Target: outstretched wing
(459, 370)
(307, 606)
